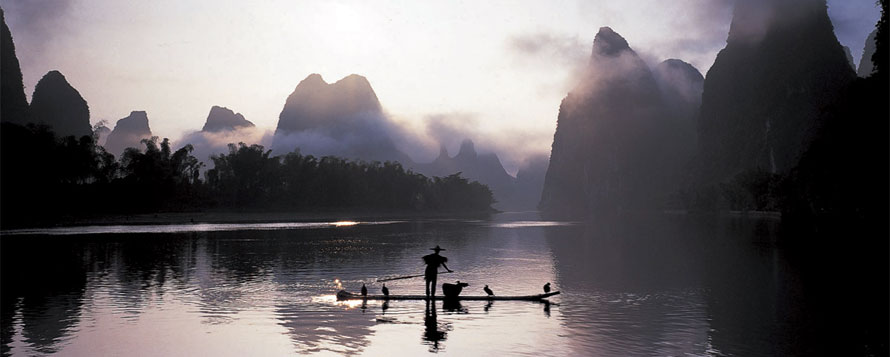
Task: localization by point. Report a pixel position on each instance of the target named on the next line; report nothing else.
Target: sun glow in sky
(497, 69)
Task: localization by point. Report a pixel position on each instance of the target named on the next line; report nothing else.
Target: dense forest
(45, 177)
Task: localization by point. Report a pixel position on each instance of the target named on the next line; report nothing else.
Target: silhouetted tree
(157, 178)
(246, 175)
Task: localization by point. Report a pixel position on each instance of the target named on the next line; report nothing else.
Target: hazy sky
(497, 68)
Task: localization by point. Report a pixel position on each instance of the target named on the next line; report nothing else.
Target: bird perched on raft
(547, 288)
(488, 291)
(364, 290)
(385, 290)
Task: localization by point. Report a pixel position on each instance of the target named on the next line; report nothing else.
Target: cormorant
(385, 290)
(488, 291)
(547, 288)
(364, 290)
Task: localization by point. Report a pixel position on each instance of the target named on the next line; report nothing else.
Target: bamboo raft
(345, 295)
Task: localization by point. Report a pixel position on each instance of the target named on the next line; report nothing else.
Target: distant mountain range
(346, 119)
(628, 137)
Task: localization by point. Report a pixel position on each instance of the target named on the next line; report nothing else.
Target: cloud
(368, 136)
(38, 21)
(514, 146)
(207, 143)
(565, 49)
(450, 129)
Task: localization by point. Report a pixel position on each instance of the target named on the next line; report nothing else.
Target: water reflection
(433, 333)
(636, 286)
(41, 296)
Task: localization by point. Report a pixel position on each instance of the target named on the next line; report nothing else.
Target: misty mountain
(485, 168)
(763, 95)
(343, 119)
(12, 89)
(865, 64)
(681, 87)
(58, 105)
(616, 141)
(128, 132)
(529, 183)
(224, 119)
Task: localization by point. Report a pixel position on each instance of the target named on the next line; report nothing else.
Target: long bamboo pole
(409, 276)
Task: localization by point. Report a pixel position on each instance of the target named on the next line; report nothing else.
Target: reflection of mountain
(57, 104)
(643, 280)
(43, 298)
(128, 132)
(343, 119)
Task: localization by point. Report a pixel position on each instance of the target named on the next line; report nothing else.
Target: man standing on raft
(432, 262)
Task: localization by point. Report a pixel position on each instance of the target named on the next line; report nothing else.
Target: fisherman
(432, 262)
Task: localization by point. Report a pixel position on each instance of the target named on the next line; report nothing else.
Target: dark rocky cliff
(13, 105)
(58, 105)
(605, 154)
(762, 97)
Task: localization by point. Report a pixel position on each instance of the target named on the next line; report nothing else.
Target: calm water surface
(668, 285)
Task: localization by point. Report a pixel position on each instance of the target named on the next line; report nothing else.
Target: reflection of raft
(345, 295)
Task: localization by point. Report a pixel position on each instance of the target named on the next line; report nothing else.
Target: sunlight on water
(526, 224)
(183, 228)
(332, 300)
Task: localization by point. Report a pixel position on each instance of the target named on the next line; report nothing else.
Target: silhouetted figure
(432, 262)
(364, 290)
(488, 291)
(547, 288)
(453, 290)
(385, 290)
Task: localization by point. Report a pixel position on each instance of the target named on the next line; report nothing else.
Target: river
(658, 285)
